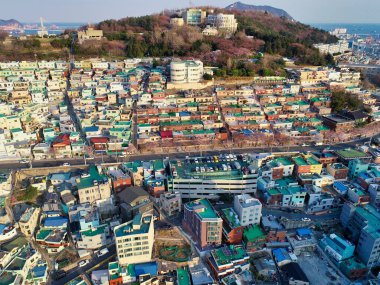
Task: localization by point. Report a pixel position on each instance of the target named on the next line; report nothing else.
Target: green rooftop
(350, 153)
(183, 277)
(253, 233)
(94, 176)
(113, 265)
(43, 234)
(203, 209)
(228, 254)
(94, 231)
(283, 160)
(7, 278)
(312, 161)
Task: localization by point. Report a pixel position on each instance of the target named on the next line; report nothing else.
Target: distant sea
(354, 29)
(53, 28)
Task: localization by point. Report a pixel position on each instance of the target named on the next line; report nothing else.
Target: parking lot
(318, 270)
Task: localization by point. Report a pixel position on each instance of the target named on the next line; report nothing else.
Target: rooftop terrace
(203, 208)
(350, 153)
(228, 254)
(139, 225)
(231, 217)
(94, 176)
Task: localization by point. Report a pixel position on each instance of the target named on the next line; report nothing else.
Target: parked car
(66, 164)
(83, 263)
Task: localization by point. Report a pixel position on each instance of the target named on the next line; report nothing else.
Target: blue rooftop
(279, 254)
(55, 222)
(91, 129)
(303, 232)
(146, 268)
(39, 271)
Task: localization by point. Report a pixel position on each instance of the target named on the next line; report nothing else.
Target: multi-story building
(194, 17)
(224, 261)
(208, 180)
(171, 203)
(90, 34)
(94, 186)
(224, 22)
(188, 71)
(29, 220)
(134, 240)
(53, 240)
(232, 228)
(337, 247)
(307, 164)
(311, 76)
(134, 200)
(363, 224)
(120, 180)
(337, 170)
(374, 193)
(203, 223)
(356, 166)
(340, 47)
(253, 238)
(93, 238)
(248, 209)
(278, 168)
(177, 22)
(338, 123)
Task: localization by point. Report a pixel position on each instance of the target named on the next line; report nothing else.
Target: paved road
(94, 264)
(299, 216)
(107, 159)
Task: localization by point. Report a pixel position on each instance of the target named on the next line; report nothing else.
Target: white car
(102, 252)
(24, 161)
(83, 263)
(66, 164)
(306, 220)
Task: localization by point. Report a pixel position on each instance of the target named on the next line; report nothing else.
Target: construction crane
(42, 23)
(42, 32)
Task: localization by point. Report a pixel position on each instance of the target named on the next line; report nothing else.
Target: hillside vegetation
(240, 55)
(153, 36)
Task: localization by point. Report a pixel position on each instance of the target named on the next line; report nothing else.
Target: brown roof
(130, 194)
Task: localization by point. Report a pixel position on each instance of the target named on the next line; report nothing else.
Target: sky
(92, 11)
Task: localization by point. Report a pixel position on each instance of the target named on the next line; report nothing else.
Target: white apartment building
(188, 71)
(339, 47)
(225, 22)
(134, 240)
(248, 209)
